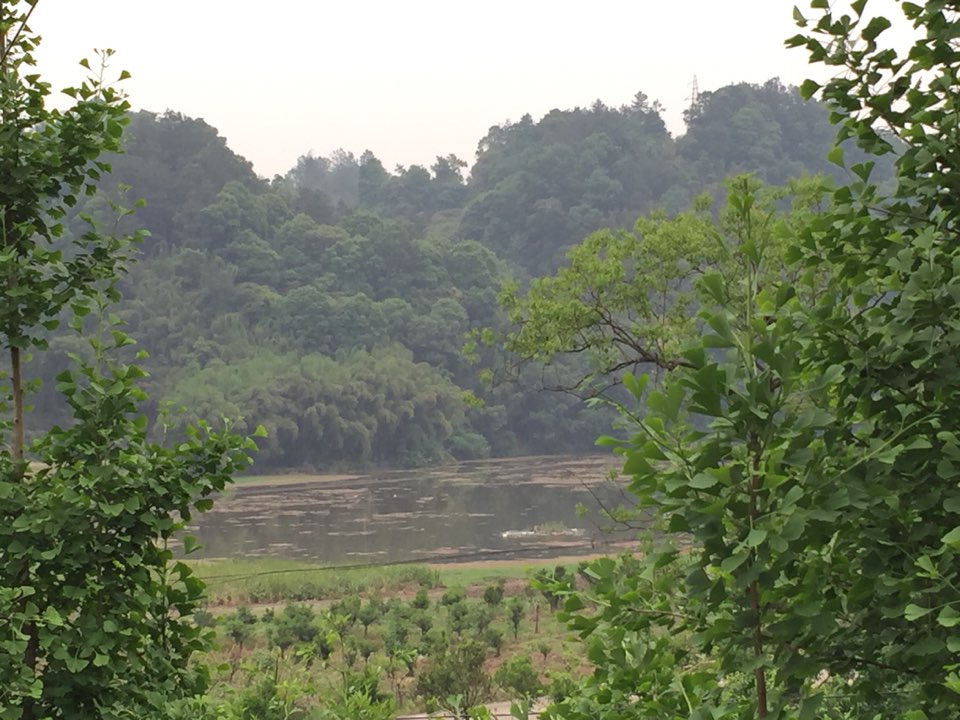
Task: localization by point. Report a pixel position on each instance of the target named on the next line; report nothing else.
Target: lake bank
(269, 581)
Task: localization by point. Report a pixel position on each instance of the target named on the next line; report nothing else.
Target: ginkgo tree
(95, 610)
(804, 457)
(725, 449)
(890, 320)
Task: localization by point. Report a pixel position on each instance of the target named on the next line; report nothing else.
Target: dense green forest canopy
(331, 304)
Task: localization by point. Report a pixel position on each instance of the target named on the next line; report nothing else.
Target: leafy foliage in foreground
(628, 301)
(806, 448)
(888, 323)
(95, 616)
(726, 452)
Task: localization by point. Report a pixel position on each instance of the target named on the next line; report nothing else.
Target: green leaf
(928, 645)
(925, 563)
(716, 341)
(810, 609)
(635, 385)
(649, 451)
(914, 612)
(952, 538)
(573, 603)
(809, 707)
(808, 89)
(111, 509)
(190, 544)
(720, 323)
(731, 563)
(756, 537)
(835, 156)
(876, 26)
(51, 617)
(703, 481)
(714, 285)
(75, 665)
(948, 617)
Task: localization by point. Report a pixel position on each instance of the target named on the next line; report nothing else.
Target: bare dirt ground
(496, 564)
(498, 711)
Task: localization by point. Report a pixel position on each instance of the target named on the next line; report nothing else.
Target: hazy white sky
(410, 80)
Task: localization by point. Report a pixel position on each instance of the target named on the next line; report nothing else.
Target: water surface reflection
(404, 515)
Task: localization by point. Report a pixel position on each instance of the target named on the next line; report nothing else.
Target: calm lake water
(496, 508)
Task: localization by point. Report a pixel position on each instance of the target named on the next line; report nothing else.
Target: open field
(271, 581)
(395, 623)
(487, 571)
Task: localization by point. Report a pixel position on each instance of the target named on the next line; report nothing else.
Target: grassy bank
(271, 580)
(485, 572)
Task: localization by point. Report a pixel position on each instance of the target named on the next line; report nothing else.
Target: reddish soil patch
(494, 564)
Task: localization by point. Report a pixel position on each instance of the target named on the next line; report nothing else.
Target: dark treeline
(331, 304)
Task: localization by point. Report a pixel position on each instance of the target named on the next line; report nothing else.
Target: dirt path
(498, 711)
(610, 549)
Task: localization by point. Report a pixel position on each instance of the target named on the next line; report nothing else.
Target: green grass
(467, 575)
(269, 580)
(274, 580)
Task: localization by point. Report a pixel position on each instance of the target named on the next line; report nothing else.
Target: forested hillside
(331, 304)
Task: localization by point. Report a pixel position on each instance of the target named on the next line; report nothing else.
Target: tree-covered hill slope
(331, 304)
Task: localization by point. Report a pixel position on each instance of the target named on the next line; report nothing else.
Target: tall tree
(628, 300)
(719, 453)
(815, 467)
(178, 164)
(888, 321)
(96, 617)
(539, 187)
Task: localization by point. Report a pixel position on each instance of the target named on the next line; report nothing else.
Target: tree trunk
(759, 674)
(16, 381)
